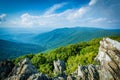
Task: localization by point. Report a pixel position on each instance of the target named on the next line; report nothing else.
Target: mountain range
(64, 36)
(14, 44)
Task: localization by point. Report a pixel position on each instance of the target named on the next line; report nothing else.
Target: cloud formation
(2, 18)
(96, 13)
(92, 2)
(54, 7)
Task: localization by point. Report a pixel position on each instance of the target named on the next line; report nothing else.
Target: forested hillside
(64, 36)
(10, 49)
(82, 53)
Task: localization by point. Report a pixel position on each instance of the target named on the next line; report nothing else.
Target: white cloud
(70, 17)
(98, 20)
(53, 8)
(87, 15)
(78, 13)
(26, 19)
(49, 18)
(92, 2)
(2, 17)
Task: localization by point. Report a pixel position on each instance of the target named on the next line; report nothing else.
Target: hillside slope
(10, 49)
(64, 36)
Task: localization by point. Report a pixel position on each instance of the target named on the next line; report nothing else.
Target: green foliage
(82, 53)
(16, 60)
(38, 59)
(82, 59)
(46, 69)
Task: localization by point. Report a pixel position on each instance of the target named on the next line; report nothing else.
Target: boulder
(59, 67)
(109, 57)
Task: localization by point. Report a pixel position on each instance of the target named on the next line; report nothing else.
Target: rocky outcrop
(59, 66)
(5, 68)
(22, 71)
(109, 57)
(109, 68)
(26, 71)
(88, 72)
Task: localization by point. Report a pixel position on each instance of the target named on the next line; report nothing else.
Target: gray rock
(22, 71)
(59, 78)
(92, 73)
(70, 77)
(39, 76)
(87, 73)
(109, 57)
(62, 76)
(83, 72)
(59, 67)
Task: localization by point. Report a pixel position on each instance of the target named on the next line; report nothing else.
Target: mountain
(10, 49)
(16, 34)
(20, 34)
(64, 36)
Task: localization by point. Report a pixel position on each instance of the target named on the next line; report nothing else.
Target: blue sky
(59, 13)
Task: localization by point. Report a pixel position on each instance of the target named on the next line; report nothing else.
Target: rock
(39, 76)
(59, 78)
(93, 73)
(22, 71)
(83, 72)
(109, 57)
(5, 68)
(26, 71)
(87, 73)
(62, 76)
(70, 77)
(59, 67)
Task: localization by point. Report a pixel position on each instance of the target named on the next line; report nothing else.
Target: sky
(44, 14)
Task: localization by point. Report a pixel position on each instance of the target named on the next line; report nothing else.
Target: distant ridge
(10, 49)
(64, 36)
